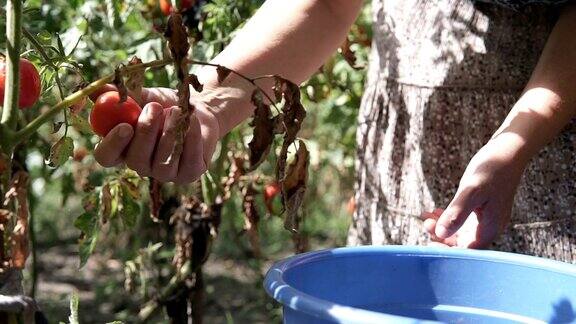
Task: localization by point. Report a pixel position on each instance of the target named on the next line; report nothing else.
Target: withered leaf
(177, 37)
(293, 116)
(251, 218)
(61, 151)
(235, 172)
(278, 84)
(263, 134)
(80, 124)
(294, 187)
(155, 191)
(348, 54)
(106, 202)
(135, 79)
(119, 83)
(223, 72)
(193, 78)
(19, 239)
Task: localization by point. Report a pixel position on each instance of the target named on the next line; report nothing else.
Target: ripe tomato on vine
(166, 6)
(109, 112)
(30, 85)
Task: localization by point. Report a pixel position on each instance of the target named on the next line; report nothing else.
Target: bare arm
(289, 38)
(489, 183)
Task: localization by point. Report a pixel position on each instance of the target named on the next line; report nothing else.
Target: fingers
(140, 153)
(109, 151)
(161, 170)
(164, 96)
(488, 227)
(458, 210)
(192, 161)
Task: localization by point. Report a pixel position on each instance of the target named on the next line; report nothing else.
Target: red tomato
(271, 190)
(108, 112)
(30, 85)
(166, 6)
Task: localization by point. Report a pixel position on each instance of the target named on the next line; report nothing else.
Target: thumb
(457, 212)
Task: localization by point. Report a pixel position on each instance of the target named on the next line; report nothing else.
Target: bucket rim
(290, 297)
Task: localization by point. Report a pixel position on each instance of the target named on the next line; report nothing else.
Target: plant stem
(13, 37)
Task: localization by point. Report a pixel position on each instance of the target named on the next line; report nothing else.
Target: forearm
(288, 38)
(549, 101)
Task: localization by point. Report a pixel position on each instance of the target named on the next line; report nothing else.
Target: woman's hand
(146, 148)
(481, 208)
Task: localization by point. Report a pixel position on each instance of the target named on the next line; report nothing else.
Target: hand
(146, 148)
(481, 208)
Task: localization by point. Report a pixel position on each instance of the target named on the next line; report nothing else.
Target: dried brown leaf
(251, 218)
(223, 72)
(193, 78)
(293, 116)
(263, 135)
(195, 227)
(155, 190)
(178, 44)
(19, 249)
(106, 201)
(135, 78)
(119, 83)
(348, 54)
(236, 170)
(294, 187)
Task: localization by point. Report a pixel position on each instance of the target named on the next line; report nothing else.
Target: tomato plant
(147, 228)
(30, 86)
(108, 112)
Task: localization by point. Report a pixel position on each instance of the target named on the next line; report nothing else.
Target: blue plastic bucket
(402, 284)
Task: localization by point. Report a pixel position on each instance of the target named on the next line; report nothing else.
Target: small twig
(248, 79)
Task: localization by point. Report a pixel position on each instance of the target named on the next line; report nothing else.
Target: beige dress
(443, 76)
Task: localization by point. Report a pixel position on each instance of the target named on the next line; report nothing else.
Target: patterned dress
(443, 76)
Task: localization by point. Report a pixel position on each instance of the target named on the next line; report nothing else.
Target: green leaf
(87, 223)
(130, 208)
(80, 124)
(73, 318)
(61, 151)
(86, 247)
(60, 46)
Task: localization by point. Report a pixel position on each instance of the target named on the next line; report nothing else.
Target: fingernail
(124, 131)
(441, 231)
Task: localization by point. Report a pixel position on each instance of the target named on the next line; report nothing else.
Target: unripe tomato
(108, 112)
(30, 85)
(166, 6)
(271, 190)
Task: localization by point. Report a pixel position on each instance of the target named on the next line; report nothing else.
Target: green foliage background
(102, 34)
